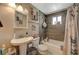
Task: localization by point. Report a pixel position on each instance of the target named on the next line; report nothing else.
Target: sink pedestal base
(23, 49)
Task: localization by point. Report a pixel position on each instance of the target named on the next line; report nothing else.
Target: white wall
(6, 17)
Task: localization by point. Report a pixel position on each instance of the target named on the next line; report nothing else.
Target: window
(57, 20)
(54, 20)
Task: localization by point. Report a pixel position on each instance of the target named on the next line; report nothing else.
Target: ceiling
(48, 8)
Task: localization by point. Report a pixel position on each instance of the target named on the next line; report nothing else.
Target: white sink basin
(20, 41)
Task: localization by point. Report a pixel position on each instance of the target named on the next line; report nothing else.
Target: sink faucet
(26, 34)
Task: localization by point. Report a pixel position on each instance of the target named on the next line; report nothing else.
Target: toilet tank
(36, 42)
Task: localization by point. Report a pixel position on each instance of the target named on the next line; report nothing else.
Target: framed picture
(33, 27)
(34, 14)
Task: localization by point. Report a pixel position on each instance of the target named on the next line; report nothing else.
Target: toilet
(42, 48)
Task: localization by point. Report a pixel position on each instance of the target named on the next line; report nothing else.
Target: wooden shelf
(31, 21)
(20, 28)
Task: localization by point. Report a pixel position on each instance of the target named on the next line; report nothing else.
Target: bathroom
(33, 28)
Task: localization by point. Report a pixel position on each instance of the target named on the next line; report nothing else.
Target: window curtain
(71, 31)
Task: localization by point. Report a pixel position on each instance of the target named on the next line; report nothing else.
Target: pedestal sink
(22, 43)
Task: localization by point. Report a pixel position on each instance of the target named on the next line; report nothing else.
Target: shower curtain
(71, 31)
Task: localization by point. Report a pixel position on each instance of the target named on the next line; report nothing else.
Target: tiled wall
(56, 31)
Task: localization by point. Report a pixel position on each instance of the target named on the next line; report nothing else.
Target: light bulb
(26, 11)
(12, 5)
(19, 8)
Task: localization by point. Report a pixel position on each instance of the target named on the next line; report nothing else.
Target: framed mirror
(20, 19)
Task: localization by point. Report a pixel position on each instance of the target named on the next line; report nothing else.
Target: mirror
(20, 24)
(20, 19)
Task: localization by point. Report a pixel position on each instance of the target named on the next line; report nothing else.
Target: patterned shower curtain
(71, 32)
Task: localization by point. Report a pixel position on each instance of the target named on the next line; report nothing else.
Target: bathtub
(54, 47)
